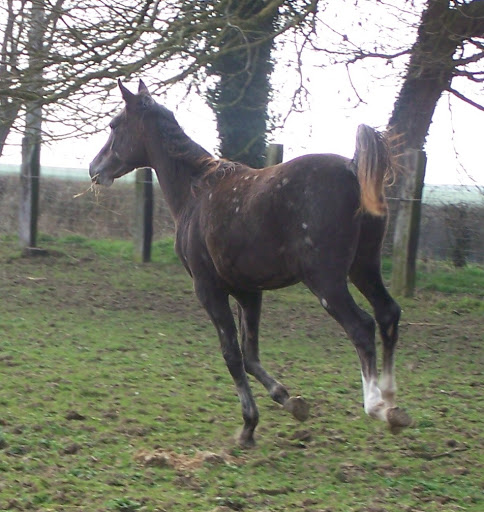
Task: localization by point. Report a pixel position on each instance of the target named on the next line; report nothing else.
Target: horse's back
(261, 227)
(312, 190)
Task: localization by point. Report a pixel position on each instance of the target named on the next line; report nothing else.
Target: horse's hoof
(246, 444)
(298, 407)
(245, 440)
(398, 419)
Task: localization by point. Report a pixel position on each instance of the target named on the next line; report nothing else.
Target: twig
(448, 453)
(423, 323)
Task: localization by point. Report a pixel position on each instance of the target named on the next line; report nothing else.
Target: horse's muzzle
(95, 175)
(98, 177)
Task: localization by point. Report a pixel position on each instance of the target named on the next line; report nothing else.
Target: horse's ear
(142, 88)
(127, 95)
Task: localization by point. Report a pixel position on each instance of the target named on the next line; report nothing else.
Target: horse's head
(125, 149)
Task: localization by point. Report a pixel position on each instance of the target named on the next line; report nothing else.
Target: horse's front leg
(216, 303)
(249, 309)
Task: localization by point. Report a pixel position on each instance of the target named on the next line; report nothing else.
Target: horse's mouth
(101, 179)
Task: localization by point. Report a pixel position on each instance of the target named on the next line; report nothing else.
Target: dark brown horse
(316, 219)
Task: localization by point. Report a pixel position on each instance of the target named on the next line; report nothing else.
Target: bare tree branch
(464, 98)
(88, 44)
(468, 60)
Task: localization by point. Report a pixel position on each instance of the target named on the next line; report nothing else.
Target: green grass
(103, 359)
(447, 279)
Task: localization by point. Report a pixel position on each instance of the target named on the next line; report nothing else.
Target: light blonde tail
(373, 164)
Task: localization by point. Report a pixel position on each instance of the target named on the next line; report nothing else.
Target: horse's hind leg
(367, 278)
(335, 297)
(216, 302)
(249, 309)
(387, 314)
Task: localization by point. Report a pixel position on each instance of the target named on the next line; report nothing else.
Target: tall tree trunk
(30, 169)
(241, 96)
(442, 30)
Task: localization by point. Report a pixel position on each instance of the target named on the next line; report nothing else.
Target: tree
(9, 54)
(440, 49)
(87, 44)
(55, 56)
(90, 43)
(241, 94)
(448, 32)
(30, 170)
(441, 52)
(243, 66)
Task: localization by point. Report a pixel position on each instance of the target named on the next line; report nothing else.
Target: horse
(318, 219)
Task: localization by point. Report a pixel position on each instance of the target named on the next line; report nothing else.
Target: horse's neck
(178, 167)
(175, 183)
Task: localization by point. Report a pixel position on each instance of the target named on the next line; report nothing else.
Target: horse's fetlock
(388, 396)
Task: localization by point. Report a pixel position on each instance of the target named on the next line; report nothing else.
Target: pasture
(114, 395)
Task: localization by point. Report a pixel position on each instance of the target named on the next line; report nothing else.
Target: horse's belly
(256, 269)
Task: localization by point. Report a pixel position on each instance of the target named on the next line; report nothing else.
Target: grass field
(114, 395)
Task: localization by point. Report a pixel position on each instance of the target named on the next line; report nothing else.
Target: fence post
(143, 228)
(29, 192)
(407, 223)
(274, 154)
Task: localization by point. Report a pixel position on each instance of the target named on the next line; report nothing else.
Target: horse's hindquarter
(261, 227)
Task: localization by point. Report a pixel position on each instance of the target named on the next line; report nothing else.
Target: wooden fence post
(274, 154)
(143, 229)
(29, 192)
(407, 223)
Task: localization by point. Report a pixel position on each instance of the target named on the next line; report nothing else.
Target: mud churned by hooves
(298, 407)
(398, 419)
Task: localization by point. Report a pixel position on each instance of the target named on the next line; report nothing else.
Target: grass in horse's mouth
(92, 188)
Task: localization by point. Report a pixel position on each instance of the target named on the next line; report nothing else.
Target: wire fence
(451, 228)
(451, 224)
(72, 207)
